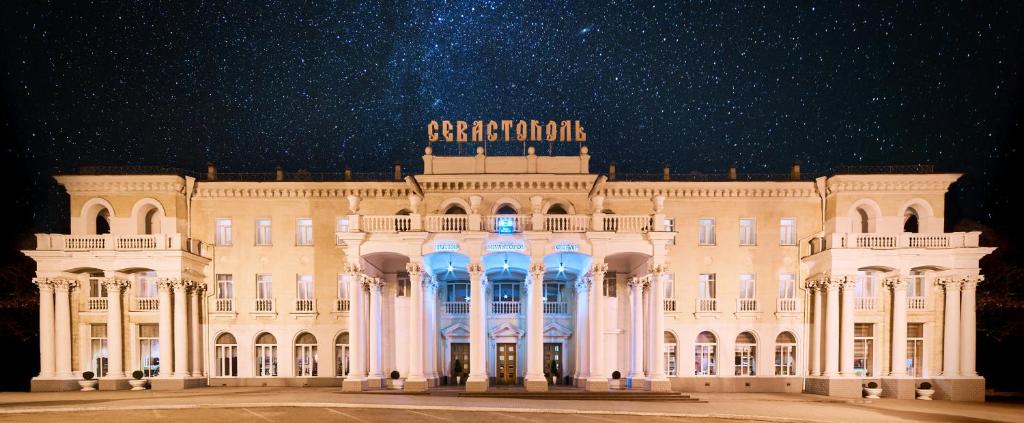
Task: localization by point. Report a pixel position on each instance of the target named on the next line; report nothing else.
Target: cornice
(505, 183)
(77, 184)
(729, 189)
(938, 182)
(389, 189)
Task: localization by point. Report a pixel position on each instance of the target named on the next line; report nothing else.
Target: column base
(898, 387)
(597, 385)
(353, 385)
(114, 384)
(175, 383)
(374, 382)
(415, 385)
(840, 387)
(477, 384)
(659, 385)
(536, 384)
(961, 388)
(54, 385)
(636, 382)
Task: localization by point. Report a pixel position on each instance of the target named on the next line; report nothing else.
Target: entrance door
(553, 362)
(506, 364)
(460, 361)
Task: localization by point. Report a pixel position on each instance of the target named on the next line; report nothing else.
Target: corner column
(657, 378)
(62, 292)
(115, 341)
(477, 381)
(597, 381)
(376, 376)
(636, 335)
(898, 356)
(815, 347)
(196, 338)
(416, 381)
(846, 331)
(951, 329)
(164, 286)
(582, 330)
(181, 289)
(356, 378)
(535, 381)
(968, 329)
(47, 351)
(832, 329)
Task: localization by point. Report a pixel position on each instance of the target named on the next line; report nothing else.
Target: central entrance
(505, 362)
(553, 361)
(460, 363)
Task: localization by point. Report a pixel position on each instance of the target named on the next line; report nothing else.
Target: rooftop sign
(506, 130)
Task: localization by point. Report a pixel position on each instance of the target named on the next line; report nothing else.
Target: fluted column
(815, 347)
(164, 286)
(636, 335)
(431, 348)
(62, 293)
(968, 327)
(47, 332)
(832, 329)
(534, 282)
(951, 332)
(598, 380)
(356, 350)
(115, 340)
(376, 285)
(582, 329)
(899, 326)
(181, 330)
(477, 380)
(196, 338)
(657, 377)
(846, 331)
(416, 381)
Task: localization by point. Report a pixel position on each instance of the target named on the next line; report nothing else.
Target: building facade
(526, 270)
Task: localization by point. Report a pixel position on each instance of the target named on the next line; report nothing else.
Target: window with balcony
(343, 299)
(554, 298)
(226, 364)
(787, 231)
(746, 355)
(916, 291)
(748, 234)
(863, 349)
(865, 290)
(263, 232)
(705, 354)
(706, 296)
(609, 284)
(505, 291)
(457, 298)
(785, 354)
(668, 282)
(706, 232)
(149, 350)
(911, 220)
(222, 232)
(304, 231)
(146, 297)
(748, 292)
(304, 293)
(97, 293)
(225, 293)
(787, 292)
(98, 349)
(264, 293)
(915, 349)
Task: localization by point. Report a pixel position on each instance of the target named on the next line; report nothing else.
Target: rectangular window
(917, 285)
(342, 225)
(706, 233)
(225, 287)
(704, 359)
(609, 284)
(342, 287)
(746, 359)
(458, 292)
(145, 285)
(223, 232)
(304, 287)
(785, 358)
(748, 285)
(506, 291)
(669, 282)
(149, 350)
(865, 285)
(748, 233)
(304, 232)
(863, 349)
(787, 285)
(96, 287)
(263, 231)
(706, 285)
(98, 346)
(553, 292)
(787, 231)
(403, 286)
(264, 287)
(915, 349)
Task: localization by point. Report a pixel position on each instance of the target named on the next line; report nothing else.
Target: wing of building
(526, 270)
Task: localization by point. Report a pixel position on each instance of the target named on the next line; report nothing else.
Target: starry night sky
(696, 85)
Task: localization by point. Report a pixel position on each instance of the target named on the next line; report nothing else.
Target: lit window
(98, 346)
(149, 350)
(670, 224)
(263, 232)
(863, 349)
(785, 354)
(223, 232)
(787, 285)
(748, 234)
(266, 355)
(746, 355)
(145, 285)
(341, 355)
(669, 283)
(864, 286)
(342, 287)
(706, 234)
(787, 231)
(706, 285)
(705, 355)
(915, 349)
(609, 284)
(305, 355)
(226, 364)
(343, 225)
(304, 232)
(403, 287)
(671, 368)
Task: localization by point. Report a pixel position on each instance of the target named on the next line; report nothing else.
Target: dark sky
(696, 85)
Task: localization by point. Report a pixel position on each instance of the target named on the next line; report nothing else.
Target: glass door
(505, 364)
(553, 362)
(460, 363)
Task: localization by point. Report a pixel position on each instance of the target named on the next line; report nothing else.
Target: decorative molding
(375, 284)
(305, 189)
(116, 284)
(63, 284)
(729, 189)
(43, 284)
(166, 283)
(636, 282)
(895, 282)
(96, 184)
(506, 184)
(890, 183)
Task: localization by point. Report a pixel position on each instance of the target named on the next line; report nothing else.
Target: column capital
(657, 269)
(182, 285)
(63, 284)
(375, 284)
(166, 284)
(475, 270)
(537, 269)
(582, 284)
(599, 269)
(970, 283)
(43, 284)
(413, 268)
(115, 284)
(352, 268)
(638, 283)
(949, 282)
(895, 282)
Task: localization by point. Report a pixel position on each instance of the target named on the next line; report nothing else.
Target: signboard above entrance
(506, 130)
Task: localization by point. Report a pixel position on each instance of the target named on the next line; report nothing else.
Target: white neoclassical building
(526, 270)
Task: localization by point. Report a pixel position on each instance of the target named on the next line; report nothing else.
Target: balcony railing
(305, 306)
(566, 222)
(263, 305)
(556, 307)
(746, 304)
(864, 303)
(456, 308)
(916, 303)
(96, 304)
(224, 305)
(341, 305)
(506, 222)
(885, 241)
(446, 223)
(786, 305)
(504, 307)
(670, 304)
(705, 305)
(626, 224)
(176, 242)
(385, 223)
(147, 303)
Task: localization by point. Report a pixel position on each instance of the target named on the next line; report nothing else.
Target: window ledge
(707, 314)
(748, 314)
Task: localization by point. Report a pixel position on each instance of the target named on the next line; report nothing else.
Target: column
(598, 380)
(967, 327)
(582, 332)
(194, 325)
(636, 335)
(181, 289)
(415, 381)
(899, 326)
(478, 380)
(47, 353)
(832, 329)
(164, 286)
(846, 331)
(815, 346)
(115, 341)
(62, 294)
(534, 282)
(951, 329)
(432, 331)
(658, 380)
(357, 371)
(647, 305)
(375, 377)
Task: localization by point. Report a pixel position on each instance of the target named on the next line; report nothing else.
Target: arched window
(704, 355)
(785, 354)
(557, 209)
(670, 354)
(227, 356)
(863, 223)
(746, 354)
(455, 209)
(910, 220)
(305, 355)
(151, 222)
(341, 355)
(102, 224)
(266, 355)
(506, 209)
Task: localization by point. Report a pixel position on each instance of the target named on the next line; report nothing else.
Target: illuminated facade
(526, 270)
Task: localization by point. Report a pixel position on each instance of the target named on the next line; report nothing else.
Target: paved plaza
(328, 404)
